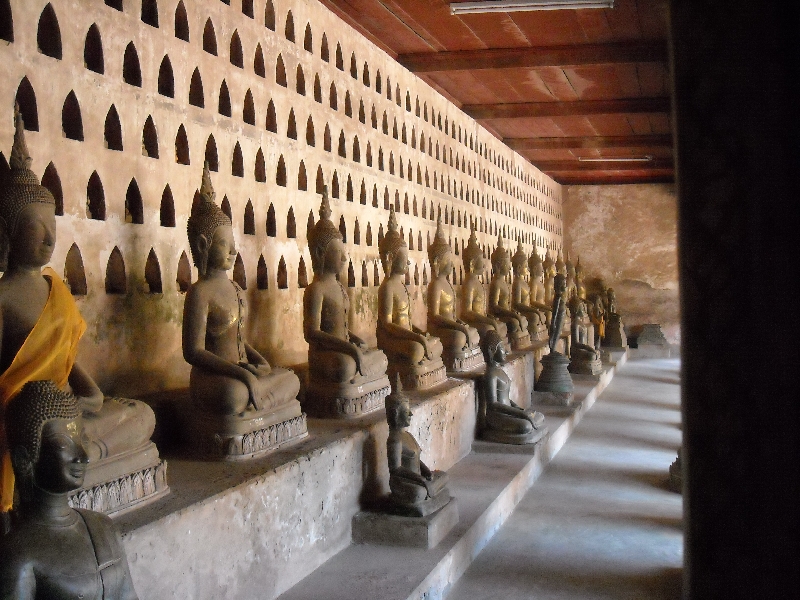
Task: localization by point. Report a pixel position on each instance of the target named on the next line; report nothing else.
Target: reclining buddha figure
(414, 354)
(521, 296)
(460, 341)
(499, 418)
(53, 550)
(40, 326)
(239, 406)
(473, 295)
(416, 491)
(346, 378)
(500, 300)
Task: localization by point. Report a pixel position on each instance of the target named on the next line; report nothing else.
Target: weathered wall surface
(627, 236)
(291, 98)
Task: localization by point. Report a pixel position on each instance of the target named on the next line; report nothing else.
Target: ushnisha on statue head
(535, 264)
(520, 260)
(393, 248)
(439, 253)
(21, 195)
(322, 234)
(501, 262)
(206, 217)
(473, 255)
(398, 410)
(45, 436)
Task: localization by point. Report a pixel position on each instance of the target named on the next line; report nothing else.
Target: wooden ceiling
(555, 86)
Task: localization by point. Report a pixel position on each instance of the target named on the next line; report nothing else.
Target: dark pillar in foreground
(737, 68)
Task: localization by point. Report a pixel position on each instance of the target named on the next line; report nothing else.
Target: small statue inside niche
(460, 341)
(346, 377)
(500, 297)
(40, 327)
(416, 491)
(54, 551)
(415, 354)
(499, 418)
(235, 393)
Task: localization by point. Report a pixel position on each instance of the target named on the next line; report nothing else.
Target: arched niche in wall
(182, 146)
(272, 118)
(152, 273)
(247, 8)
(351, 275)
(116, 278)
(302, 274)
(52, 182)
(71, 119)
(224, 103)
(291, 228)
(166, 78)
(209, 38)
(236, 53)
(150, 12)
(260, 170)
(249, 219)
(364, 274)
(272, 227)
(149, 139)
(280, 172)
(167, 209)
(74, 273)
(225, 206)
(181, 22)
(302, 177)
(184, 276)
(196, 96)
(237, 161)
(131, 68)
(308, 39)
(211, 156)
(26, 99)
(291, 126)
(376, 276)
(289, 28)
(283, 277)
(6, 21)
(262, 274)
(95, 199)
(239, 275)
(324, 51)
(259, 66)
(249, 109)
(269, 15)
(48, 33)
(134, 208)
(300, 81)
(93, 50)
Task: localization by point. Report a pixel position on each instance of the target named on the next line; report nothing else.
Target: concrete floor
(600, 522)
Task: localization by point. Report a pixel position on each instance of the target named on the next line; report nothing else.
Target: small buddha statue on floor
(521, 296)
(583, 356)
(614, 330)
(500, 297)
(240, 406)
(499, 418)
(461, 350)
(40, 326)
(346, 378)
(52, 550)
(473, 296)
(416, 491)
(415, 354)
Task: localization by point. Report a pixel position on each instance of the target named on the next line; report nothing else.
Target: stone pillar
(737, 66)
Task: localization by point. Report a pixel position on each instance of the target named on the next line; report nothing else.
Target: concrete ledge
(416, 532)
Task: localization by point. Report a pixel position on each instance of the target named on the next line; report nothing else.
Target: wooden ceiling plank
(534, 57)
(605, 167)
(558, 84)
(550, 27)
(597, 82)
(595, 26)
(619, 141)
(495, 30)
(624, 20)
(615, 179)
(559, 109)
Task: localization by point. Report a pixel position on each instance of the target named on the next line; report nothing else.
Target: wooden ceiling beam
(541, 56)
(551, 166)
(518, 110)
(590, 142)
(613, 178)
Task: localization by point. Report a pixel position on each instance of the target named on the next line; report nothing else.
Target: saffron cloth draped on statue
(48, 353)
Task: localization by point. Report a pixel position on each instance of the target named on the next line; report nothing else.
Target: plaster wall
(459, 171)
(626, 235)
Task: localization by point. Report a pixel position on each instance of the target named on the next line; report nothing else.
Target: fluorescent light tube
(647, 158)
(486, 6)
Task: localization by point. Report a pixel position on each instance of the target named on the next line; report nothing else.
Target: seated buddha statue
(460, 341)
(240, 405)
(549, 268)
(40, 326)
(569, 271)
(580, 284)
(538, 295)
(346, 377)
(500, 299)
(416, 491)
(415, 354)
(614, 333)
(521, 296)
(583, 356)
(473, 296)
(53, 550)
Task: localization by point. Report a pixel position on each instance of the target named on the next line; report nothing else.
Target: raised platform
(416, 532)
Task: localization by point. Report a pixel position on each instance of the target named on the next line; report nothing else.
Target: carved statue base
(397, 530)
(120, 483)
(586, 366)
(615, 333)
(461, 361)
(418, 377)
(505, 437)
(520, 340)
(555, 375)
(326, 399)
(236, 437)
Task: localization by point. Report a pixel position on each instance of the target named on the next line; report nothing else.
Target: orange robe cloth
(48, 353)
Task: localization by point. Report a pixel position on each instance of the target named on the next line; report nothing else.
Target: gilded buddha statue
(240, 406)
(460, 341)
(413, 353)
(521, 296)
(54, 551)
(40, 326)
(500, 300)
(473, 295)
(499, 418)
(346, 377)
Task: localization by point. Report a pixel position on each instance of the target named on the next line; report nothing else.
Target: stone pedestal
(555, 375)
(612, 355)
(564, 400)
(592, 367)
(615, 333)
(418, 377)
(394, 530)
(500, 439)
(325, 399)
(651, 343)
(463, 361)
(520, 341)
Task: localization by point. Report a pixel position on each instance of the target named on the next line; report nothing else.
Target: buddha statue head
(569, 268)
(393, 249)
(501, 263)
(493, 347)
(473, 255)
(439, 253)
(520, 261)
(561, 266)
(325, 241)
(45, 435)
(548, 265)
(535, 265)
(559, 284)
(209, 230)
(578, 270)
(398, 410)
(27, 209)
